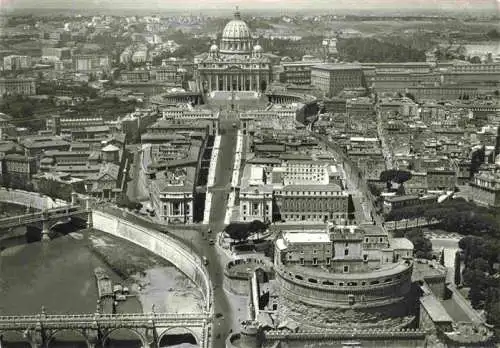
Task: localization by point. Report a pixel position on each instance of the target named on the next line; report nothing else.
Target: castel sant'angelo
(344, 277)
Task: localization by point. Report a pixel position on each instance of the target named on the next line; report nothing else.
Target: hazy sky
(492, 5)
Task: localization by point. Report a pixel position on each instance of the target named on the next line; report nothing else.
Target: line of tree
(481, 260)
(455, 215)
(373, 50)
(241, 231)
(421, 244)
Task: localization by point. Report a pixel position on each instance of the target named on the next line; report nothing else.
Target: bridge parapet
(41, 328)
(30, 199)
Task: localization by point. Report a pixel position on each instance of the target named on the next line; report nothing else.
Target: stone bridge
(50, 210)
(97, 329)
(44, 216)
(163, 245)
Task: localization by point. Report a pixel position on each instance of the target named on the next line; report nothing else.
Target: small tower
(110, 154)
(214, 51)
(56, 125)
(257, 51)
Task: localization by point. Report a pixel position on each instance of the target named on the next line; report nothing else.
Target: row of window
(311, 193)
(351, 283)
(312, 216)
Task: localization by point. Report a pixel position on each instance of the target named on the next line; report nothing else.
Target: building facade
(236, 65)
(172, 196)
(333, 78)
(15, 62)
(17, 86)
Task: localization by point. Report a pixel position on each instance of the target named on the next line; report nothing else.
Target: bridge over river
(96, 329)
(58, 212)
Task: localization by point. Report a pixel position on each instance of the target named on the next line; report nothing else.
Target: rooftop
(401, 244)
(322, 188)
(435, 309)
(337, 67)
(306, 237)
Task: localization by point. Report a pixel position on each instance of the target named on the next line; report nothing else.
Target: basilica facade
(237, 64)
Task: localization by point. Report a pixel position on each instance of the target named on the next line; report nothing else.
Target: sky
(492, 5)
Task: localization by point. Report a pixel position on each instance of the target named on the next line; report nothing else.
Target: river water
(59, 275)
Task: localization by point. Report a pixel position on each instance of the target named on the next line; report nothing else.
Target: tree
(257, 226)
(238, 231)
(492, 305)
(422, 245)
(478, 282)
(475, 60)
(477, 159)
(374, 189)
(473, 248)
(441, 257)
(398, 176)
(458, 274)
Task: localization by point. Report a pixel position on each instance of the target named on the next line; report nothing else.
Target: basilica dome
(236, 37)
(236, 30)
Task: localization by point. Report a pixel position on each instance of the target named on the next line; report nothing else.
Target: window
(346, 269)
(346, 252)
(327, 260)
(315, 261)
(315, 251)
(301, 260)
(365, 257)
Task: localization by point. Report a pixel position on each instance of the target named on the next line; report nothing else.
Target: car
(211, 242)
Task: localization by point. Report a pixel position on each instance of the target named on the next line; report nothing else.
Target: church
(235, 65)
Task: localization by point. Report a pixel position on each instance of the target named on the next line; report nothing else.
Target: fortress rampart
(237, 273)
(316, 298)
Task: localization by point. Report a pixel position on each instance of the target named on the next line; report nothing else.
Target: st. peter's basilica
(235, 65)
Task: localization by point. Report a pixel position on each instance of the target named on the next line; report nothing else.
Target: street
(223, 174)
(196, 237)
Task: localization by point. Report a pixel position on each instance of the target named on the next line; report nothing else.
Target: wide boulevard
(197, 237)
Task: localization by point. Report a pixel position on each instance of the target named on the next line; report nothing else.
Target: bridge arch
(126, 334)
(163, 338)
(61, 338)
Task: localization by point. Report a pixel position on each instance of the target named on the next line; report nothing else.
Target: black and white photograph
(250, 174)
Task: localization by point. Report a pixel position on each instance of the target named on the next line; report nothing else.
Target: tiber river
(59, 275)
